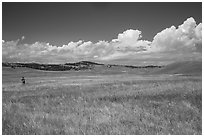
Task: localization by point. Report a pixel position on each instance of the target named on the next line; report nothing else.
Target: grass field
(83, 103)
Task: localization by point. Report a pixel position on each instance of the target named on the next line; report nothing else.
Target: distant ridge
(82, 65)
(185, 67)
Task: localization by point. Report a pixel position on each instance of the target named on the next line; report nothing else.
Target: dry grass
(160, 106)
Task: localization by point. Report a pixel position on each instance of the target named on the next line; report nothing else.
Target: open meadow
(85, 102)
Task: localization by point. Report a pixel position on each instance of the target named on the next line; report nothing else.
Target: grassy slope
(159, 106)
(185, 67)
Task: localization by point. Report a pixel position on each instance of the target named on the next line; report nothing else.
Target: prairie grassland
(155, 105)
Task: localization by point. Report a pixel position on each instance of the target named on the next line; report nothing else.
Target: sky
(121, 33)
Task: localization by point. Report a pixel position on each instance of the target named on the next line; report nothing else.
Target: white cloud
(171, 43)
(23, 37)
(115, 55)
(182, 39)
(85, 48)
(198, 31)
(129, 36)
(130, 40)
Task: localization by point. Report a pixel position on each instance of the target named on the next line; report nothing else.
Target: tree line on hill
(82, 65)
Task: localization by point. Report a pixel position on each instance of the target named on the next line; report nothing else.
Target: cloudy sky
(120, 33)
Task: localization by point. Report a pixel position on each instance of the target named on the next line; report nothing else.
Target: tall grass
(167, 106)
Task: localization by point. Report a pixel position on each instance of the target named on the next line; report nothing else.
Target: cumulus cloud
(181, 39)
(130, 40)
(172, 43)
(129, 36)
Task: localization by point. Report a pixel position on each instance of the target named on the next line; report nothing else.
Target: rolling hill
(82, 65)
(185, 67)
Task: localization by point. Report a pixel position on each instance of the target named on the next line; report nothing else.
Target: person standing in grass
(23, 80)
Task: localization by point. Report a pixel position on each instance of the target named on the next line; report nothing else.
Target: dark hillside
(82, 65)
